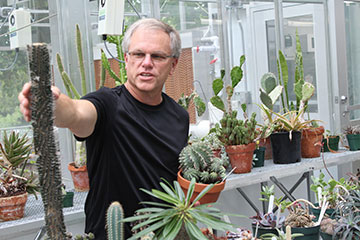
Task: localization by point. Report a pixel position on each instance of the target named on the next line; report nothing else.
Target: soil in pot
(331, 143)
(311, 142)
(12, 208)
(284, 150)
(210, 197)
(80, 178)
(354, 141)
(310, 233)
(260, 155)
(241, 157)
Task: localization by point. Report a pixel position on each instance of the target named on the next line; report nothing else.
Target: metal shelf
(263, 174)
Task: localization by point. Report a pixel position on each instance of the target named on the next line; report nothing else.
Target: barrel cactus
(198, 161)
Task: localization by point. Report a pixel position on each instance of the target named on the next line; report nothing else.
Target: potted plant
(280, 235)
(301, 221)
(330, 141)
(237, 135)
(14, 184)
(286, 135)
(269, 222)
(353, 137)
(346, 224)
(198, 162)
(177, 217)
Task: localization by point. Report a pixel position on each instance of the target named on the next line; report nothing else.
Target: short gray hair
(152, 23)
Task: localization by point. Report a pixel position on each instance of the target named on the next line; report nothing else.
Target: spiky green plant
(169, 219)
(185, 101)
(114, 226)
(45, 143)
(233, 131)
(198, 161)
(15, 152)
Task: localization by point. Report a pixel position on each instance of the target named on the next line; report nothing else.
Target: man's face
(148, 63)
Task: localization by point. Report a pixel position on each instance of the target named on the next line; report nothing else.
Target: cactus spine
(44, 140)
(115, 228)
(198, 161)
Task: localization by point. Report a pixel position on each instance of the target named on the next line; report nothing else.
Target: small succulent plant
(198, 161)
(233, 131)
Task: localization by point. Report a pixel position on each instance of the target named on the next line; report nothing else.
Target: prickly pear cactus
(44, 140)
(115, 228)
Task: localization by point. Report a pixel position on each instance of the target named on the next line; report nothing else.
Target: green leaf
(218, 103)
(200, 106)
(236, 75)
(217, 86)
(168, 190)
(222, 73)
(202, 193)
(172, 229)
(150, 229)
(266, 100)
(190, 191)
(307, 91)
(268, 82)
(179, 191)
(275, 93)
(194, 231)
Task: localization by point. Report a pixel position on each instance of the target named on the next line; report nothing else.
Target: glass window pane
(352, 26)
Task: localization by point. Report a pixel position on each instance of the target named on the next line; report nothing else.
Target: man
(134, 132)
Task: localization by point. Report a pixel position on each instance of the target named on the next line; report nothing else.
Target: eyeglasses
(155, 57)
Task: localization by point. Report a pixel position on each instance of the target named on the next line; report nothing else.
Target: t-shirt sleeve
(103, 100)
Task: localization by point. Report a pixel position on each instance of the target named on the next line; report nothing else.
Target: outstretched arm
(78, 115)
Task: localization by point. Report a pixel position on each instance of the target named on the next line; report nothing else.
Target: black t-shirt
(133, 146)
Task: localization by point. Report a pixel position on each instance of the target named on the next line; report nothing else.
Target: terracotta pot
(210, 197)
(12, 208)
(241, 157)
(311, 139)
(266, 142)
(80, 178)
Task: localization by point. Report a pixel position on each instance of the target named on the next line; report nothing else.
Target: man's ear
(173, 65)
(126, 60)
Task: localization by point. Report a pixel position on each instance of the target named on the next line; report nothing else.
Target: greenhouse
(190, 119)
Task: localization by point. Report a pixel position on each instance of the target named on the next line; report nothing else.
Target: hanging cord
(28, 25)
(13, 63)
(104, 36)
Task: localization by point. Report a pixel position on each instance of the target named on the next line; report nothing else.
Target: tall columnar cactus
(198, 161)
(114, 215)
(235, 131)
(44, 140)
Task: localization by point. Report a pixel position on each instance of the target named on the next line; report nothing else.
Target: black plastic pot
(310, 233)
(325, 236)
(354, 141)
(68, 199)
(260, 155)
(284, 150)
(263, 230)
(316, 212)
(332, 143)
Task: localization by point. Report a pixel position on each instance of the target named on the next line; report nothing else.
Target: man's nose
(147, 60)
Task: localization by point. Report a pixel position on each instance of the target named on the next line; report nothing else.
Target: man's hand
(25, 96)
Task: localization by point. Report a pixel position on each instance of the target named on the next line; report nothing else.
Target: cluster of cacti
(198, 161)
(185, 101)
(114, 226)
(122, 77)
(44, 140)
(233, 131)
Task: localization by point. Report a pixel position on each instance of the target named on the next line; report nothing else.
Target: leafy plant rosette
(15, 153)
(167, 218)
(333, 190)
